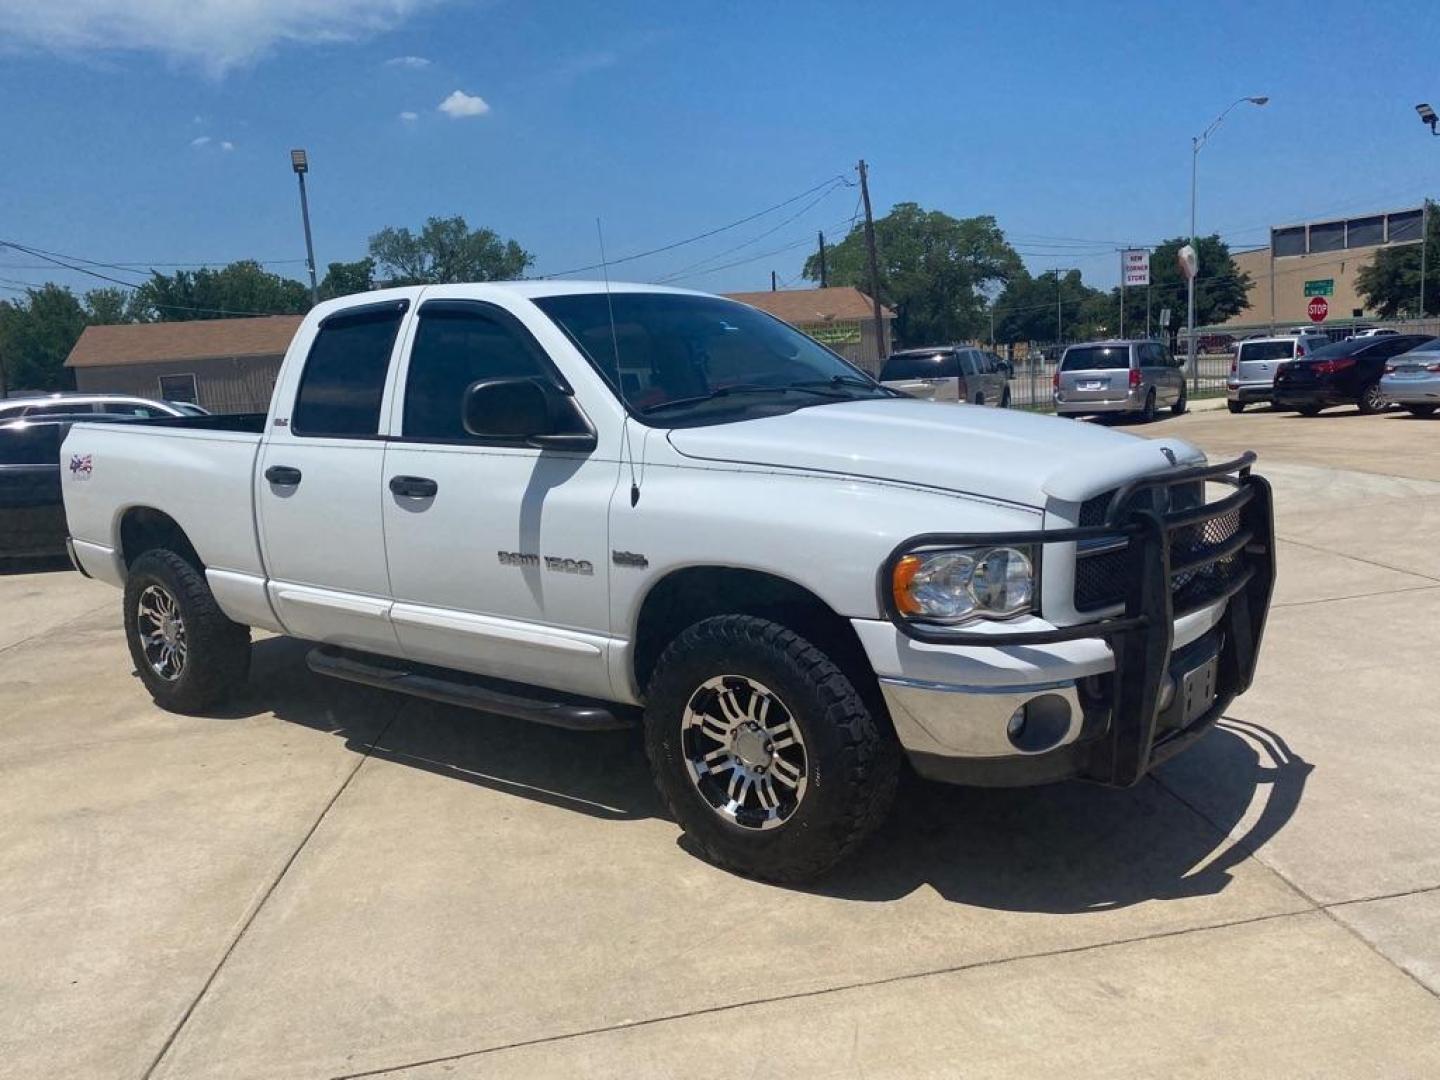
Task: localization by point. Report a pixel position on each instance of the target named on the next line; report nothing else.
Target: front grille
(1101, 578)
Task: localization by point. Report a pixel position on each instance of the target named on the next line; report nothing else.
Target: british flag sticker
(81, 466)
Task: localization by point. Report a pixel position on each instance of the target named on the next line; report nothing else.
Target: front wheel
(1235, 406)
(1147, 414)
(764, 751)
(1308, 410)
(1372, 400)
(1421, 410)
(1005, 400)
(187, 653)
(1178, 409)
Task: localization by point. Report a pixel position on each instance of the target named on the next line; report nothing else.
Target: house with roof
(840, 316)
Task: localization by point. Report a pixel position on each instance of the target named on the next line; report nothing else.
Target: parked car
(787, 573)
(1345, 373)
(1412, 379)
(949, 373)
(1133, 378)
(1373, 331)
(1252, 371)
(71, 403)
(32, 517)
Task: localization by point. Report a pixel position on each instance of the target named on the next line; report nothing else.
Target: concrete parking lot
(327, 881)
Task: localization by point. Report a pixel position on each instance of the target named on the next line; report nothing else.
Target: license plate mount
(1094, 384)
(1197, 690)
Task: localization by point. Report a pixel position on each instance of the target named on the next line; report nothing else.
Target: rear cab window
(343, 382)
(921, 365)
(1096, 358)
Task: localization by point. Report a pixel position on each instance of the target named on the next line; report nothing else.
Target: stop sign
(1317, 309)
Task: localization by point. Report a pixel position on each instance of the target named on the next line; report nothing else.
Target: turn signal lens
(904, 576)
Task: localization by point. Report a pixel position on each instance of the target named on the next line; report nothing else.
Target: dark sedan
(1345, 373)
(32, 516)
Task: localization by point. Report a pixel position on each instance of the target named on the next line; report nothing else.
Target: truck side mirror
(530, 411)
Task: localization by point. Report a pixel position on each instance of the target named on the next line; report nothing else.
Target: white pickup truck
(596, 507)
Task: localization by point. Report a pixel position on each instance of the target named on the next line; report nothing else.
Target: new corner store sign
(1320, 287)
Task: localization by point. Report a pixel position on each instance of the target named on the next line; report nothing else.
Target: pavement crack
(1422, 890)
(52, 629)
(1355, 596)
(801, 995)
(264, 899)
(1357, 558)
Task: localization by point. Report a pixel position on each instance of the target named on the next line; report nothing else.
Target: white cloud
(227, 145)
(414, 62)
(460, 104)
(200, 140)
(409, 117)
(215, 35)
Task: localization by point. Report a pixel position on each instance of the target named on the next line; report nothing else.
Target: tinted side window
(458, 344)
(59, 409)
(936, 365)
(130, 408)
(344, 376)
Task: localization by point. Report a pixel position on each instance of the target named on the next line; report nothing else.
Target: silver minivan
(1130, 377)
(949, 373)
(1252, 371)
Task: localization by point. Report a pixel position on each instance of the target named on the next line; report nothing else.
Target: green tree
(446, 251)
(1220, 286)
(347, 278)
(241, 288)
(934, 270)
(1028, 308)
(105, 307)
(1390, 283)
(37, 333)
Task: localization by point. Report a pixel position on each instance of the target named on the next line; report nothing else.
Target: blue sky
(159, 131)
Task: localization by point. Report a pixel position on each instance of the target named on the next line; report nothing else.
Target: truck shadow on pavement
(1064, 848)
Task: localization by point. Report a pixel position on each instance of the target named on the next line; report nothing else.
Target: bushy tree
(347, 278)
(37, 333)
(934, 270)
(1390, 283)
(1220, 286)
(241, 288)
(446, 251)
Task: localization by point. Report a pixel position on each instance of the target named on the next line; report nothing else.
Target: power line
(806, 242)
(838, 179)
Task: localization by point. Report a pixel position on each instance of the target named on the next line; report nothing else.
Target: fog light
(1039, 724)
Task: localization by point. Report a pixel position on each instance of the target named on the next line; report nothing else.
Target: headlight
(956, 584)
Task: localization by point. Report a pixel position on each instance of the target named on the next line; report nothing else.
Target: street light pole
(1196, 142)
(300, 162)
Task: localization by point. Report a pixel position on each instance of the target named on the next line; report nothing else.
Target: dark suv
(1345, 373)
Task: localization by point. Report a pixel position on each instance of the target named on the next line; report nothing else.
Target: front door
(497, 551)
(316, 484)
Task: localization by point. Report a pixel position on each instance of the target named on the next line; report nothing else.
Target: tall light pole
(1427, 116)
(1196, 143)
(300, 162)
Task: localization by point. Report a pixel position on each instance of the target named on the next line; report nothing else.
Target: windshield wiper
(838, 381)
(726, 391)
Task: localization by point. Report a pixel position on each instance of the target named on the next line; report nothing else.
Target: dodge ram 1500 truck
(598, 506)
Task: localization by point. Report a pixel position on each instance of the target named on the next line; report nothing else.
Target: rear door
(318, 483)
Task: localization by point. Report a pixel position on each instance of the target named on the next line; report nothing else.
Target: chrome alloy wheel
(743, 752)
(162, 632)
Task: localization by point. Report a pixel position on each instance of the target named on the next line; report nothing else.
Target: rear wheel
(1147, 414)
(1178, 409)
(1235, 406)
(1421, 410)
(1372, 399)
(1005, 400)
(187, 653)
(764, 751)
(980, 399)
(1308, 410)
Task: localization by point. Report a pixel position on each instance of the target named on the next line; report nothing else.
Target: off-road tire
(1420, 410)
(217, 657)
(1372, 399)
(853, 758)
(1236, 407)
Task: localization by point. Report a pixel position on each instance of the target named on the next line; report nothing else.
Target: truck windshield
(676, 358)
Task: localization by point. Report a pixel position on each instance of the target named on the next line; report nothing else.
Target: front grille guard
(1142, 635)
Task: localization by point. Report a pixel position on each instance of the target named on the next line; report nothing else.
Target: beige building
(841, 317)
(1319, 258)
(224, 365)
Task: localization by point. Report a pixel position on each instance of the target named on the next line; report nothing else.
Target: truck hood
(1001, 454)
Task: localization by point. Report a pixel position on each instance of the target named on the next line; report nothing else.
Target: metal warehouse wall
(223, 384)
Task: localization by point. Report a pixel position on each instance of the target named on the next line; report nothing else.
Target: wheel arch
(687, 595)
(144, 528)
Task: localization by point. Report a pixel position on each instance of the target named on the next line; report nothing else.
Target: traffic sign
(1320, 287)
(1317, 309)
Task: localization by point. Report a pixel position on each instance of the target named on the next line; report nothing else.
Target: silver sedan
(1412, 379)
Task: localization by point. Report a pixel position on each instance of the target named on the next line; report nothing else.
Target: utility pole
(1424, 243)
(1059, 334)
(824, 277)
(1272, 282)
(1122, 303)
(773, 286)
(874, 262)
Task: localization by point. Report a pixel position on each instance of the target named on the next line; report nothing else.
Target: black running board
(471, 691)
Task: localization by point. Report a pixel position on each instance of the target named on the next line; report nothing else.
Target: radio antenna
(615, 350)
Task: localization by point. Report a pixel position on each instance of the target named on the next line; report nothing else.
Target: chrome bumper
(971, 721)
